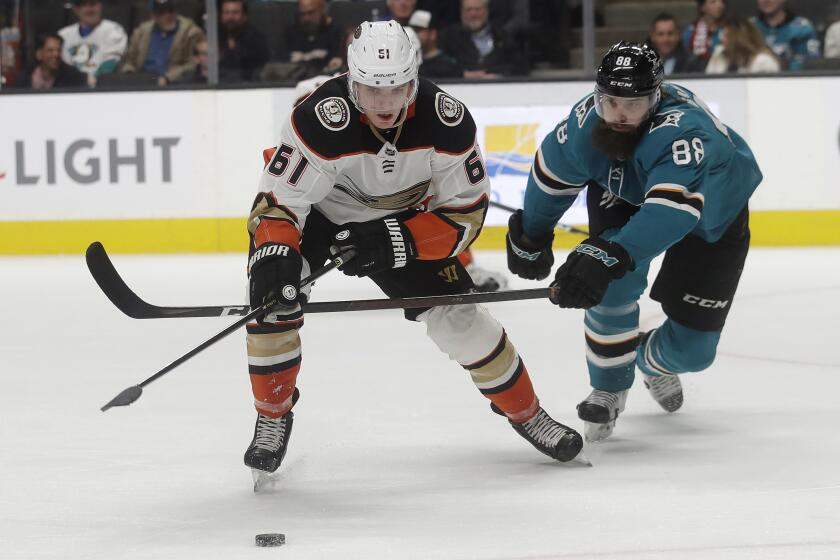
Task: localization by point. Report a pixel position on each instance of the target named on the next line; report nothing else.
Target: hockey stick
(564, 227)
(112, 284)
(426, 301)
(131, 304)
(128, 396)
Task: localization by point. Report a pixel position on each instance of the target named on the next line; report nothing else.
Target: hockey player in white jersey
(386, 164)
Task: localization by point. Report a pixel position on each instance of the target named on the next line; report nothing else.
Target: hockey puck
(270, 539)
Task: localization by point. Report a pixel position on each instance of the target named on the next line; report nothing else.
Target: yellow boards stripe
(212, 235)
(185, 235)
(768, 228)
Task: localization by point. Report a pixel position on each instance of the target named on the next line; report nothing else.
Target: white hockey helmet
(381, 55)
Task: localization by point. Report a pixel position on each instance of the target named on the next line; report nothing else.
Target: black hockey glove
(275, 275)
(532, 261)
(380, 245)
(583, 279)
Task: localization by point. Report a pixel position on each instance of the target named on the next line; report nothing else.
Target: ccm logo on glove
(597, 253)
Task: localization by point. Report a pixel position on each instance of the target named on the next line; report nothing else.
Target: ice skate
(551, 437)
(267, 449)
(666, 389)
(599, 412)
(487, 280)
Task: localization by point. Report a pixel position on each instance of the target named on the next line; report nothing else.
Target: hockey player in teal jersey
(663, 175)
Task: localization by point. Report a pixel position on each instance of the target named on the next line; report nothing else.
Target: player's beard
(614, 144)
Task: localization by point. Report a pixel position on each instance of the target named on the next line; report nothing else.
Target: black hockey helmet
(627, 85)
(630, 70)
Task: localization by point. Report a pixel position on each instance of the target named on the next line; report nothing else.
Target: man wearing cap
(93, 45)
(163, 46)
(436, 63)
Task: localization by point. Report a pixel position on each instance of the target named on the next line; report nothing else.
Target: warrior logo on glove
(397, 242)
(379, 244)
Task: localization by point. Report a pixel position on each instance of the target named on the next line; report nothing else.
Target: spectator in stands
(201, 65)
(484, 51)
(435, 63)
(163, 46)
(701, 37)
(399, 10)
(549, 33)
(243, 49)
(743, 50)
(665, 39)
(50, 71)
(93, 45)
(314, 42)
(305, 87)
(444, 12)
(832, 40)
(791, 37)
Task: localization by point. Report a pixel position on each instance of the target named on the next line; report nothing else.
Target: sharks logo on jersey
(661, 120)
(616, 178)
(582, 111)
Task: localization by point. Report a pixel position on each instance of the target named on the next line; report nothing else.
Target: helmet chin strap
(402, 116)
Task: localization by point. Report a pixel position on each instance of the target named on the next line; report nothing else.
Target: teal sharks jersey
(689, 174)
(794, 41)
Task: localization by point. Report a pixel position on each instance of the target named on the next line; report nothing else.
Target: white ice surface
(394, 453)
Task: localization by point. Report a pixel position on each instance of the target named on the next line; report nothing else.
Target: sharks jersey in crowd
(793, 41)
(688, 174)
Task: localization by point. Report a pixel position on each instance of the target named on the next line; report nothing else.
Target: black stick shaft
(426, 301)
(564, 227)
(338, 261)
(253, 314)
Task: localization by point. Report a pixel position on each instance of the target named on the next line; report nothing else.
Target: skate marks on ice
(827, 549)
(263, 480)
(266, 483)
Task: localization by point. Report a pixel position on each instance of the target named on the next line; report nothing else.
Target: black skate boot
(271, 438)
(599, 412)
(550, 437)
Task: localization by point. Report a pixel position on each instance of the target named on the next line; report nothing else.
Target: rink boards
(176, 171)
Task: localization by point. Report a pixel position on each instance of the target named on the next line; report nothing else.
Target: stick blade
(125, 398)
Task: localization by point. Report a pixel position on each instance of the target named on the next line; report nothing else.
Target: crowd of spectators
(773, 40)
(470, 39)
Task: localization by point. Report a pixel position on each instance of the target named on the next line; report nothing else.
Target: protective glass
(631, 111)
(390, 99)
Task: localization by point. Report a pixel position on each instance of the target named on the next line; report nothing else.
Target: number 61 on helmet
(382, 72)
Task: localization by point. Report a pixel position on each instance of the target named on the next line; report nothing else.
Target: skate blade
(263, 480)
(580, 460)
(593, 432)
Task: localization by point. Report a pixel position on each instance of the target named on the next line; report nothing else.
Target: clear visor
(630, 111)
(388, 99)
